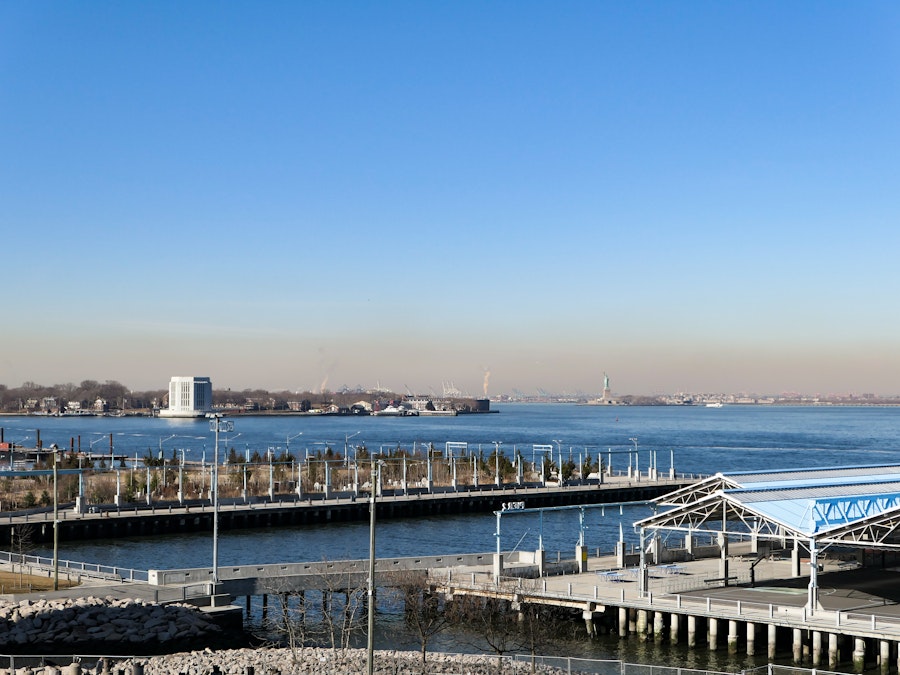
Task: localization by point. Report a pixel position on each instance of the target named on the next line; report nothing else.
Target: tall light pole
(289, 438)
(347, 438)
(559, 466)
(161, 441)
(55, 522)
(370, 653)
(497, 466)
(634, 440)
(181, 475)
(216, 424)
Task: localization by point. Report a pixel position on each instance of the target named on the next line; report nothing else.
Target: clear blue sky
(696, 196)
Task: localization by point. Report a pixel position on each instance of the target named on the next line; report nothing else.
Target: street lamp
(370, 654)
(55, 521)
(163, 440)
(347, 438)
(181, 475)
(559, 466)
(216, 424)
(289, 438)
(636, 469)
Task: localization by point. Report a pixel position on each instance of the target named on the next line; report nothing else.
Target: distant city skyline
(696, 197)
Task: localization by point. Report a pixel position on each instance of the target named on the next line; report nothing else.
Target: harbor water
(697, 440)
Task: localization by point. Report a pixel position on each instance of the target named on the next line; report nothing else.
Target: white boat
(396, 411)
(715, 404)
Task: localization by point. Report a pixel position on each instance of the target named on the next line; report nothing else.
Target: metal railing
(71, 568)
(549, 588)
(95, 663)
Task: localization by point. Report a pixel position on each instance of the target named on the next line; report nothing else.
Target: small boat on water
(715, 404)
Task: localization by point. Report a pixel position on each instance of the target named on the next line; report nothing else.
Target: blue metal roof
(816, 509)
(815, 476)
(809, 502)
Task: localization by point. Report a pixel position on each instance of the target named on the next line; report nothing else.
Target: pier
(685, 603)
(135, 520)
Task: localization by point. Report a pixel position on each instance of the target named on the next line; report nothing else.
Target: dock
(141, 519)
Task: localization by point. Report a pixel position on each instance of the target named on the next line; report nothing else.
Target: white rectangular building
(188, 397)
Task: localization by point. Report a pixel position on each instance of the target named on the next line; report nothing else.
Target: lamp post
(94, 442)
(370, 652)
(497, 466)
(637, 470)
(347, 438)
(288, 439)
(163, 440)
(181, 475)
(55, 522)
(216, 424)
(559, 466)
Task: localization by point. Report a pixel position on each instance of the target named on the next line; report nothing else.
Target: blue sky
(694, 196)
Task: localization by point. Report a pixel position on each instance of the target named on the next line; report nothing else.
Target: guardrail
(199, 575)
(619, 479)
(73, 568)
(549, 589)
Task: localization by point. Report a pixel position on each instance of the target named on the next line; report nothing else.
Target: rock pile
(317, 661)
(74, 622)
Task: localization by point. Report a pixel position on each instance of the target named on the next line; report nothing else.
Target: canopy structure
(815, 507)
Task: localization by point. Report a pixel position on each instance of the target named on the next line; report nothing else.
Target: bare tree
(494, 623)
(331, 614)
(424, 610)
(21, 542)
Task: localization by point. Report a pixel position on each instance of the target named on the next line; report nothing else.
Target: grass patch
(13, 583)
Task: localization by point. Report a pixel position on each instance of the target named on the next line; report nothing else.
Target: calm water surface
(701, 440)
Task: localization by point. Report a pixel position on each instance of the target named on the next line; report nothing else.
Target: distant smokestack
(487, 378)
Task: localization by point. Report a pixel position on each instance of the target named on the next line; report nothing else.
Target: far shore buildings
(189, 396)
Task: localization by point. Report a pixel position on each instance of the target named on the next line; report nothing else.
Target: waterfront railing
(536, 663)
(37, 565)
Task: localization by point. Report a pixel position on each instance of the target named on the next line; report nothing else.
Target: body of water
(698, 439)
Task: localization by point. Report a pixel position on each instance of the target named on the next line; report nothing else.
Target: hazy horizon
(694, 197)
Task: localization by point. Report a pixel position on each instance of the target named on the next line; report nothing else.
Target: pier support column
(816, 649)
(623, 622)
(859, 655)
(632, 620)
(732, 637)
(833, 652)
(265, 606)
(674, 621)
(588, 616)
(751, 638)
(713, 634)
(691, 631)
(798, 646)
(771, 648)
(884, 657)
(641, 627)
(659, 626)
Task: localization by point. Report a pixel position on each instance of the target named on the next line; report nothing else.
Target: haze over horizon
(508, 196)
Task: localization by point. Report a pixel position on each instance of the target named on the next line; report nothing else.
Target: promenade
(154, 518)
(857, 620)
(856, 624)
